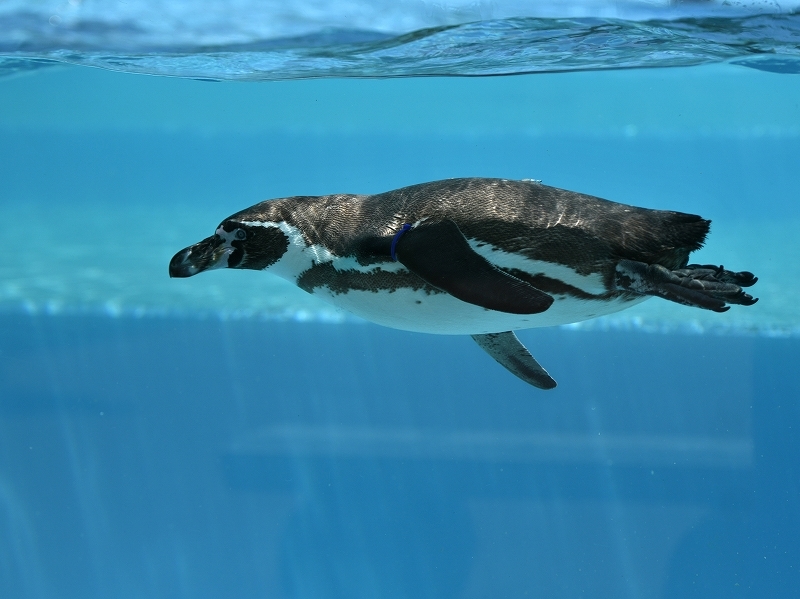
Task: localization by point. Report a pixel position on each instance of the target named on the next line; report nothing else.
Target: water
(379, 39)
(228, 435)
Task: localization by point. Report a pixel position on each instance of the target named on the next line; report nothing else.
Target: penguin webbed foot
(717, 273)
(702, 286)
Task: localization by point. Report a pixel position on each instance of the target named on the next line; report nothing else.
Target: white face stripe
(299, 257)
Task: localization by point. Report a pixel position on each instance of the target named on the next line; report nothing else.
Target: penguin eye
(240, 234)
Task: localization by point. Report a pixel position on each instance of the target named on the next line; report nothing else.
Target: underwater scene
(260, 434)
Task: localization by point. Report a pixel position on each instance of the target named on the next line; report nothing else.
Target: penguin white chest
(388, 294)
(440, 313)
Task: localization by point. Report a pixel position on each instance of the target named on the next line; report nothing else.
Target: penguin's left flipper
(510, 353)
(702, 286)
(441, 255)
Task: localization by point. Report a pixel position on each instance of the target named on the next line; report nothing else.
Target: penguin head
(234, 244)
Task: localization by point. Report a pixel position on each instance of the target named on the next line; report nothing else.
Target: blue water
(230, 436)
(381, 38)
(168, 458)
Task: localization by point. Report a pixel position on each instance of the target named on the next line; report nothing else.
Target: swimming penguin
(479, 257)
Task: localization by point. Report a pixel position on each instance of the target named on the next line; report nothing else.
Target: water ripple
(487, 47)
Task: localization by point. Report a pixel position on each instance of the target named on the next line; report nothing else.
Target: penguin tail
(664, 237)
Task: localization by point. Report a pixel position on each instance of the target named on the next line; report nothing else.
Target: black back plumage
(586, 233)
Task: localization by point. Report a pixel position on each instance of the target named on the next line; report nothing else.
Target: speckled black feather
(584, 232)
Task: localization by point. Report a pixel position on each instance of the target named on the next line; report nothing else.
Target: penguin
(474, 256)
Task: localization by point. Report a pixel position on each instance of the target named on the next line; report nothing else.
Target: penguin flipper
(701, 286)
(511, 354)
(441, 255)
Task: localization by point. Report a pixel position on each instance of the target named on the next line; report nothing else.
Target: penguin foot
(702, 286)
(717, 273)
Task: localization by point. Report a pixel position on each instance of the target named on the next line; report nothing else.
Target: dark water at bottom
(185, 458)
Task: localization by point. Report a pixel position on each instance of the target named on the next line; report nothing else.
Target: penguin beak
(206, 255)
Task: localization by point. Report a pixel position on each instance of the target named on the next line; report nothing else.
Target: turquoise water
(230, 436)
(170, 159)
(252, 41)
